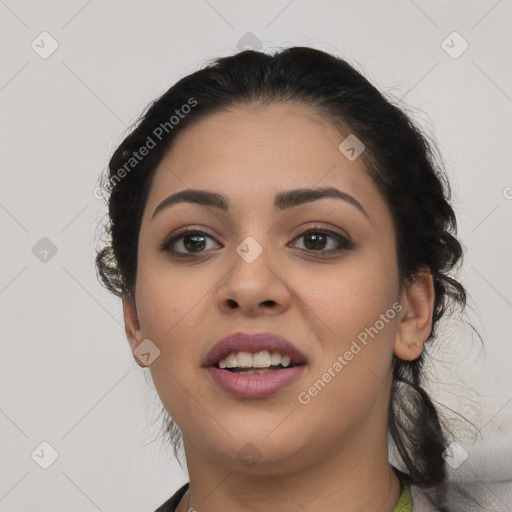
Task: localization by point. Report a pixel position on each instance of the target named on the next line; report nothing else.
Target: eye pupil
(316, 237)
(197, 242)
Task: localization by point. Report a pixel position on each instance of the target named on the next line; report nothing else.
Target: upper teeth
(262, 359)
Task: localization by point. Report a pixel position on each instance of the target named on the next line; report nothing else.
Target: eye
(193, 241)
(316, 240)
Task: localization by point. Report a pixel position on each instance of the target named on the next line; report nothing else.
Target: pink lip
(252, 343)
(254, 386)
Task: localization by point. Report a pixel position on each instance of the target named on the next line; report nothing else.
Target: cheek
(349, 297)
(171, 316)
(351, 374)
(170, 308)
(352, 316)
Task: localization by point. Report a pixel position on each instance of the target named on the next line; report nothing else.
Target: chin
(256, 449)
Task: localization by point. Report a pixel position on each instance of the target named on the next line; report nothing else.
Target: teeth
(262, 359)
(252, 371)
(230, 361)
(275, 358)
(243, 360)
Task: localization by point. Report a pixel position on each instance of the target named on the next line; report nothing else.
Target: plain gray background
(67, 375)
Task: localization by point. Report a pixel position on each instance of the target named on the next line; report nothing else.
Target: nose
(254, 288)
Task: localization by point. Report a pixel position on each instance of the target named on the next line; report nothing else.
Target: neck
(358, 477)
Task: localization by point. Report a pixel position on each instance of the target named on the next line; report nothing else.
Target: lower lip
(255, 386)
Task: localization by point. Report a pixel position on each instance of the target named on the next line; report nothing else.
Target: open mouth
(245, 363)
(254, 365)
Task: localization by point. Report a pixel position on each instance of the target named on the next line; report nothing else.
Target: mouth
(261, 362)
(254, 365)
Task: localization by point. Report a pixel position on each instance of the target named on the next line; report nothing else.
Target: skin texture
(332, 453)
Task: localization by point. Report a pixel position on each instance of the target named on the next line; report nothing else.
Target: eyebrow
(282, 201)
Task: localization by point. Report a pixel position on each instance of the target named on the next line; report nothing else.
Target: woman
(282, 238)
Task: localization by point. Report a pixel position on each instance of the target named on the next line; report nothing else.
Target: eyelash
(343, 242)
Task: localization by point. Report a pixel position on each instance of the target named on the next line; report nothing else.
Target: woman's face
(278, 281)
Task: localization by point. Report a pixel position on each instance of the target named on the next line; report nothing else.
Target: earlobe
(132, 325)
(415, 319)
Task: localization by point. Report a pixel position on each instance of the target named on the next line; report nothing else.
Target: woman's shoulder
(415, 498)
(172, 503)
(420, 501)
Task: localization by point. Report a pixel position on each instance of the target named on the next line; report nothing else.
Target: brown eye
(187, 244)
(317, 240)
(194, 243)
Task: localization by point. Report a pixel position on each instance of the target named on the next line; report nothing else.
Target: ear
(132, 325)
(415, 319)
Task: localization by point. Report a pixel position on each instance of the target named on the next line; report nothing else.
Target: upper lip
(252, 343)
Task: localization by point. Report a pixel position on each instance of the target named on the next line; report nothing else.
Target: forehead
(251, 153)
